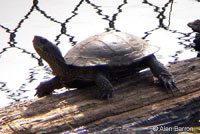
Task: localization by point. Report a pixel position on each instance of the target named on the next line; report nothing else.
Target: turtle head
(47, 50)
(51, 54)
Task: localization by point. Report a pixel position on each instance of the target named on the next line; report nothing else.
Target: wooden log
(137, 102)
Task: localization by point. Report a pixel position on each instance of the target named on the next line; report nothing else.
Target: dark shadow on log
(138, 103)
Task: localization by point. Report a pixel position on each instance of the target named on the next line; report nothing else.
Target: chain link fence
(108, 15)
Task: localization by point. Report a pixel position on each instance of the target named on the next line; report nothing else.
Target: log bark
(137, 103)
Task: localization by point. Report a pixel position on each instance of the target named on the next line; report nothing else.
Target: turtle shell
(109, 48)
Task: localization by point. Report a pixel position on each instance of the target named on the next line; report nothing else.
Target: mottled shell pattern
(109, 49)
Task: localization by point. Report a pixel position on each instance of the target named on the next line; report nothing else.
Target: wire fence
(162, 12)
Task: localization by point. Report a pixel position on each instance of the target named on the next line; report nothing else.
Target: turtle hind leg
(106, 88)
(165, 78)
(47, 87)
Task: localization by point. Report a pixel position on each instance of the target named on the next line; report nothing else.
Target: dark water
(66, 22)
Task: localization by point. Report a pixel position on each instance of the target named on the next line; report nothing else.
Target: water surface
(66, 22)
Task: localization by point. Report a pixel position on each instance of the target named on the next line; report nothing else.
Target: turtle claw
(41, 93)
(167, 81)
(43, 90)
(106, 94)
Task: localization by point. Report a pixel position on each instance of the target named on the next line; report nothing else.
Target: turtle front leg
(165, 78)
(47, 87)
(106, 88)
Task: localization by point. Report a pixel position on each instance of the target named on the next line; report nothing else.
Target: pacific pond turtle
(97, 59)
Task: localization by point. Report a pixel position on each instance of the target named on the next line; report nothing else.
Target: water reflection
(66, 23)
(111, 19)
(161, 13)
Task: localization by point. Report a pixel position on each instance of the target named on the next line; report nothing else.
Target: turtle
(195, 25)
(97, 60)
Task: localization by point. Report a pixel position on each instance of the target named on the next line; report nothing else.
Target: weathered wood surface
(135, 101)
